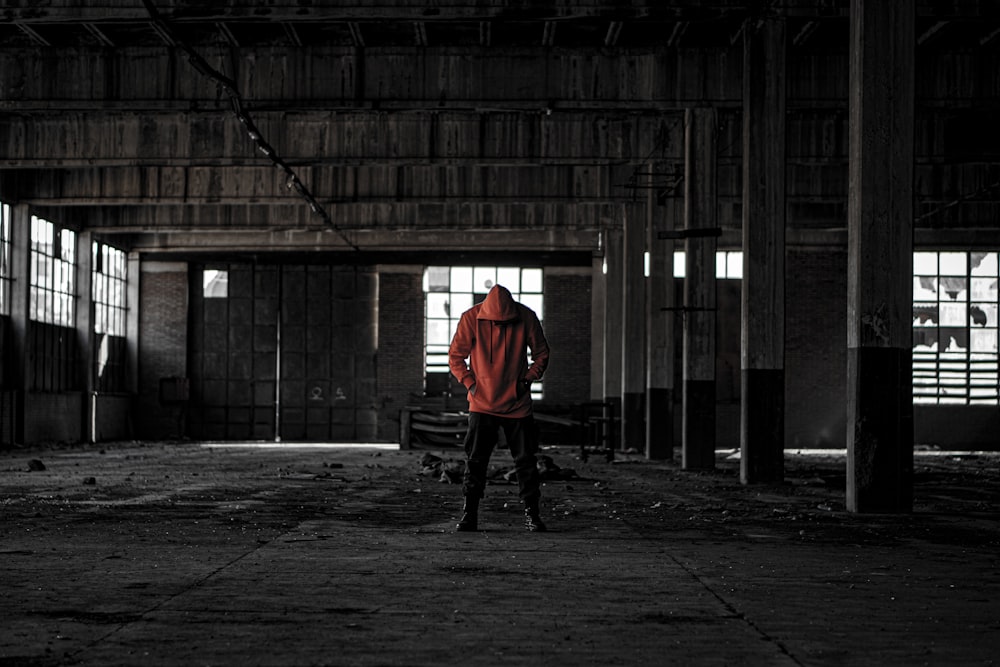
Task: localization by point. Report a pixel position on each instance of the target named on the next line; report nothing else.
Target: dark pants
(481, 439)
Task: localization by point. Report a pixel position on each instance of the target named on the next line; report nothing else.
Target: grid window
(450, 291)
(955, 309)
(5, 277)
(728, 264)
(108, 286)
(53, 268)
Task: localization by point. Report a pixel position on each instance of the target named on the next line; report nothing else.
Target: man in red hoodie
(495, 337)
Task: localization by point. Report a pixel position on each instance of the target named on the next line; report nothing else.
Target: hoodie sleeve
(461, 347)
(538, 345)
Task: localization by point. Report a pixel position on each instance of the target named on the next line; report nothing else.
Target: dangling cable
(292, 181)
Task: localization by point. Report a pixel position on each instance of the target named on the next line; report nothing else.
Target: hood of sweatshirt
(499, 306)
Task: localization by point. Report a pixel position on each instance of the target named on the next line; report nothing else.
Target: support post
(597, 343)
(762, 358)
(660, 301)
(880, 258)
(633, 297)
(85, 333)
(613, 333)
(700, 201)
(20, 303)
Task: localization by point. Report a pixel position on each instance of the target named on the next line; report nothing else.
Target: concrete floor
(183, 554)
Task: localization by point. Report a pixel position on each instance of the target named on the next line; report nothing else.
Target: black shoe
(533, 522)
(470, 516)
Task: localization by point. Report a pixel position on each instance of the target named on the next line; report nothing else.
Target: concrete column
(20, 302)
(880, 258)
(762, 360)
(659, 333)
(132, 291)
(597, 296)
(613, 325)
(700, 201)
(634, 330)
(85, 331)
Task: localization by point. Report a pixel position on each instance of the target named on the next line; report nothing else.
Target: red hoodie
(495, 337)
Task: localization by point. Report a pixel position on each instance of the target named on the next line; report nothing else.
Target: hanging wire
(292, 181)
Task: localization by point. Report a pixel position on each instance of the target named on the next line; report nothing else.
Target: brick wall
(400, 354)
(566, 321)
(816, 347)
(163, 312)
(53, 417)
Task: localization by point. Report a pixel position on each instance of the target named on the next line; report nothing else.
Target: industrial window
(728, 264)
(5, 276)
(108, 287)
(52, 343)
(955, 304)
(215, 283)
(53, 273)
(450, 291)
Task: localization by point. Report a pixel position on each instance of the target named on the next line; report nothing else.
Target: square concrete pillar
(700, 204)
(880, 258)
(762, 358)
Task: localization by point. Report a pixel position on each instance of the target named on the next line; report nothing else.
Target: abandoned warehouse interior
(743, 226)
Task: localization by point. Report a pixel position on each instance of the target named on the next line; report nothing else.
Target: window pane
(953, 289)
(925, 289)
(437, 279)
(215, 284)
(925, 263)
(679, 264)
(461, 279)
(533, 301)
(459, 304)
(509, 277)
(983, 315)
(438, 305)
(954, 314)
(531, 280)
(983, 263)
(437, 332)
(925, 315)
(983, 340)
(734, 265)
(483, 279)
(984, 289)
(953, 263)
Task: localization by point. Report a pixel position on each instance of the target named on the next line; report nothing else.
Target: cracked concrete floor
(189, 554)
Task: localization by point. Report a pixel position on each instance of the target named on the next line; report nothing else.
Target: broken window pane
(983, 263)
(984, 289)
(215, 284)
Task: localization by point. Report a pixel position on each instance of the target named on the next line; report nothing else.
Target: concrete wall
(163, 339)
(957, 426)
(400, 354)
(53, 417)
(566, 322)
(816, 347)
(113, 418)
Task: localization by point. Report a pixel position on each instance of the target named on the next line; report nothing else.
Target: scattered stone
(89, 481)
(34, 465)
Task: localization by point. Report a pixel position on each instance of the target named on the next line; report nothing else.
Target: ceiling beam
(99, 34)
(227, 34)
(356, 35)
(926, 35)
(677, 33)
(807, 30)
(548, 33)
(33, 34)
(420, 33)
(614, 31)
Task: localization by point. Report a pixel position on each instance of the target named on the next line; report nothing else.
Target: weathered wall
(566, 322)
(163, 329)
(53, 417)
(816, 347)
(400, 355)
